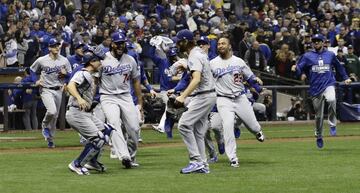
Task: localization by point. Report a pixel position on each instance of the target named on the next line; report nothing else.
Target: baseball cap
(317, 37)
(129, 45)
(203, 40)
(118, 37)
(350, 46)
(53, 42)
(185, 34)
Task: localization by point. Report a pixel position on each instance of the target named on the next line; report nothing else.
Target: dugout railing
(300, 89)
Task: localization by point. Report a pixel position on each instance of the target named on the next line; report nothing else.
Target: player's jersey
(49, 69)
(115, 75)
(85, 86)
(229, 75)
(198, 61)
(318, 68)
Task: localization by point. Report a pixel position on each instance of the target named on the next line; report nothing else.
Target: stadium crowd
(269, 35)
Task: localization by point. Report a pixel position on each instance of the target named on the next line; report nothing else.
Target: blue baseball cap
(318, 37)
(118, 37)
(130, 45)
(53, 42)
(203, 39)
(185, 34)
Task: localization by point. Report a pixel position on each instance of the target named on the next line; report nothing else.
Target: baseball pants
(319, 102)
(193, 125)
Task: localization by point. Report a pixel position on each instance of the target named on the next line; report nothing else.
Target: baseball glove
(174, 109)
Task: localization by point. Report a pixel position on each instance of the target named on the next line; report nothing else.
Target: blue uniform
(75, 61)
(318, 68)
(163, 64)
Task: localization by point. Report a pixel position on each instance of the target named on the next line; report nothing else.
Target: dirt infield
(171, 144)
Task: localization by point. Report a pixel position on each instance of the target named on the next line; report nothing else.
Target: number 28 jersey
(115, 74)
(229, 75)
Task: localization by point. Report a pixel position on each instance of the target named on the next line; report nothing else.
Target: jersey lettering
(49, 70)
(120, 69)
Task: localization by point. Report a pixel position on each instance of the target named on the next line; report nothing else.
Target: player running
(229, 72)
(317, 66)
(82, 89)
(193, 122)
(115, 98)
(53, 70)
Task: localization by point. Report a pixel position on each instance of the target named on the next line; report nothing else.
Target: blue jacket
(75, 61)
(163, 64)
(318, 67)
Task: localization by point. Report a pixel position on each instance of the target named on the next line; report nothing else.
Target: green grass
(287, 162)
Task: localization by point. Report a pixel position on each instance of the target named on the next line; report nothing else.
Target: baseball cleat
(213, 160)
(51, 144)
(192, 167)
(140, 140)
(320, 142)
(260, 136)
(333, 131)
(237, 132)
(204, 170)
(126, 162)
(234, 164)
(79, 170)
(157, 128)
(221, 148)
(46, 133)
(95, 166)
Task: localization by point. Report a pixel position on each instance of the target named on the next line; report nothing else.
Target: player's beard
(118, 51)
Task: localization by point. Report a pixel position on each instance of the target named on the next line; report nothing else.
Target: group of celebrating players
(213, 92)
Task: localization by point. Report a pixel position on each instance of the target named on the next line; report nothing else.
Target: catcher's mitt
(174, 109)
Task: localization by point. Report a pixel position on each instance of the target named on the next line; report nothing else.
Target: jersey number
(126, 77)
(238, 78)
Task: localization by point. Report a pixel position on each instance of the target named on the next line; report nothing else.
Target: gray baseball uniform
(193, 122)
(232, 101)
(85, 123)
(117, 102)
(52, 88)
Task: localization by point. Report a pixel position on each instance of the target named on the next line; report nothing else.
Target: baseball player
(82, 89)
(193, 122)
(215, 125)
(317, 66)
(166, 82)
(118, 68)
(229, 72)
(53, 69)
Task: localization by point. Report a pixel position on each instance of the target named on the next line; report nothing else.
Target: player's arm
(35, 73)
(137, 89)
(145, 82)
(300, 66)
(341, 70)
(196, 78)
(71, 88)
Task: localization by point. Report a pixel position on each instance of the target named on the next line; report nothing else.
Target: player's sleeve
(339, 68)
(78, 77)
(301, 65)
(183, 83)
(195, 63)
(35, 70)
(68, 69)
(135, 72)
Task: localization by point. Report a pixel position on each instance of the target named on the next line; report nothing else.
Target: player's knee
(51, 113)
(98, 141)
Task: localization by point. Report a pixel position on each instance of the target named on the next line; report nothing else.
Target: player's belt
(231, 97)
(202, 92)
(53, 88)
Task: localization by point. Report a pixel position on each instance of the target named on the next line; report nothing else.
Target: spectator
(284, 59)
(245, 44)
(352, 64)
(10, 50)
(254, 58)
(22, 46)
